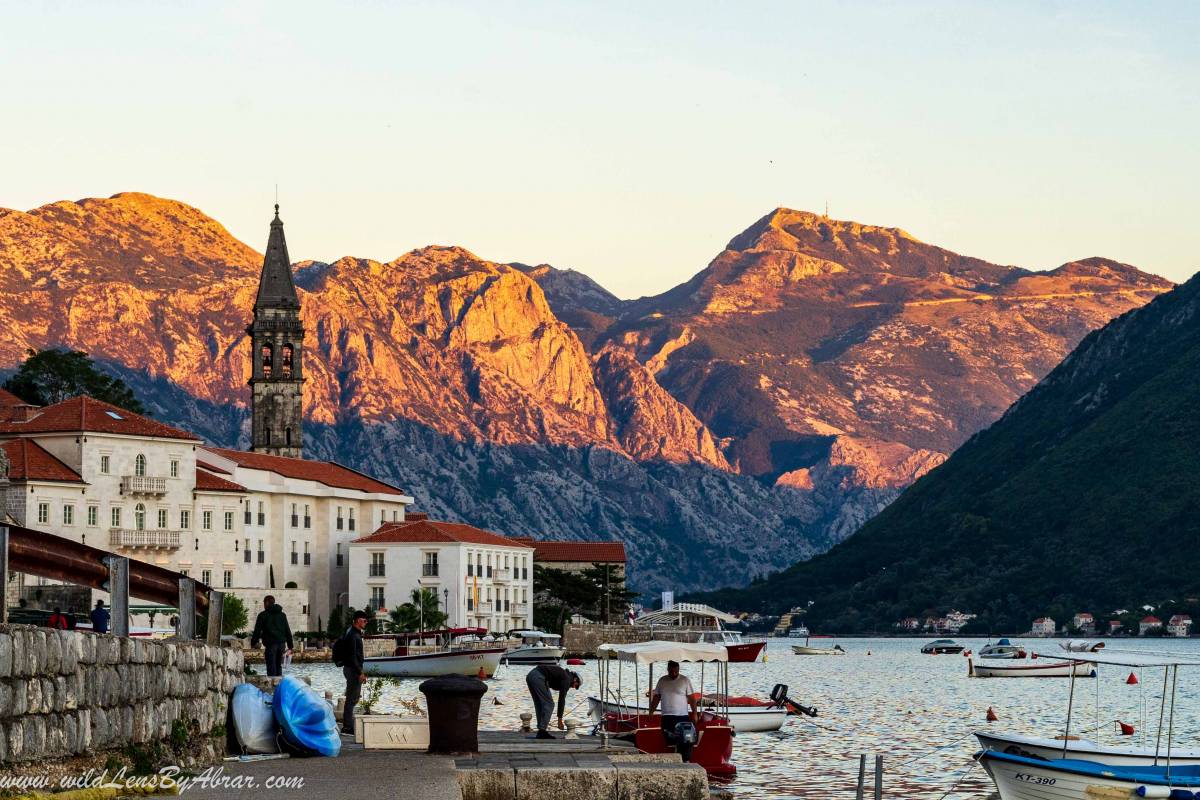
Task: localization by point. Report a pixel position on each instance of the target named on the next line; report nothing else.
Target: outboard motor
(684, 738)
(779, 697)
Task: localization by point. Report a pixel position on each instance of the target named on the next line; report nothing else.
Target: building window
(377, 601)
(295, 517)
(139, 517)
(262, 554)
(352, 519)
(68, 514)
(249, 514)
(104, 461)
(206, 520)
(162, 519)
(139, 466)
(43, 512)
(376, 570)
(307, 518)
(185, 519)
(286, 367)
(470, 603)
(228, 520)
(470, 568)
(339, 554)
(116, 516)
(382, 515)
(206, 576)
(430, 568)
(174, 468)
(93, 514)
(307, 556)
(262, 514)
(246, 555)
(183, 572)
(227, 579)
(267, 358)
(339, 518)
(295, 555)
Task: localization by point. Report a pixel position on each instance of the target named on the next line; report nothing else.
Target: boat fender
(991, 715)
(1126, 728)
(1153, 791)
(1132, 679)
(481, 674)
(575, 662)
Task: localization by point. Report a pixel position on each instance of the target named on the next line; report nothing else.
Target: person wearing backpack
(348, 654)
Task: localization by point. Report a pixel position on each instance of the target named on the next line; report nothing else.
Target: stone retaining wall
(582, 640)
(68, 693)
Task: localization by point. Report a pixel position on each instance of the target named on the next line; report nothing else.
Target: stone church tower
(276, 351)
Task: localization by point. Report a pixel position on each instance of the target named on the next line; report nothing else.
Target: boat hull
(533, 655)
(1080, 749)
(1002, 652)
(744, 653)
(1064, 669)
(743, 719)
(1019, 778)
(713, 751)
(434, 665)
(801, 650)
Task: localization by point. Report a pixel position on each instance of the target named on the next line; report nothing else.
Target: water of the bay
(883, 697)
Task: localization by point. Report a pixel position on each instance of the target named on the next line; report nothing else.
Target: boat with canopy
(627, 721)
(453, 651)
(1025, 768)
(536, 647)
(702, 624)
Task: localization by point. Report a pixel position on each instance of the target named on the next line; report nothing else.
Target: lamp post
(446, 605)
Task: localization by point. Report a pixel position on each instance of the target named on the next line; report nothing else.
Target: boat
(1023, 778)
(1001, 649)
(746, 714)
(1081, 646)
(808, 650)
(1048, 749)
(714, 744)
(941, 647)
(1045, 669)
(536, 647)
(687, 617)
(798, 633)
(451, 654)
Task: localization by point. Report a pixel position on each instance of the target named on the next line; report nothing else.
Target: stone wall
(68, 693)
(582, 640)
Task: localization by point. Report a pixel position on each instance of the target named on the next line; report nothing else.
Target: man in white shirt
(676, 694)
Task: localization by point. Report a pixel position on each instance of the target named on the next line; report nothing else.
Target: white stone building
(484, 580)
(1043, 626)
(1179, 625)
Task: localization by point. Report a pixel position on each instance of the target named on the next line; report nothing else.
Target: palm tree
(422, 614)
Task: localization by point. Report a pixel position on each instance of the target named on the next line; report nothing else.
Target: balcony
(429, 570)
(484, 608)
(143, 539)
(501, 575)
(142, 484)
(520, 609)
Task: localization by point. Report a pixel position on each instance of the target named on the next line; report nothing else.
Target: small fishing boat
(740, 651)
(807, 649)
(1045, 669)
(714, 735)
(940, 647)
(746, 714)
(1048, 749)
(451, 654)
(536, 647)
(1023, 778)
(1001, 649)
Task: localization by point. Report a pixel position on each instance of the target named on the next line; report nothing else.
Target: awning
(1132, 658)
(658, 652)
(534, 635)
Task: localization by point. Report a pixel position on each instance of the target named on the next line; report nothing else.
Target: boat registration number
(1038, 779)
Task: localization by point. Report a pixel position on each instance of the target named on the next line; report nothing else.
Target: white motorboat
(798, 633)
(1022, 778)
(1033, 669)
(536, 647)
(1081, 749)
(941, 647)
(1001, 649)
(451, 654)
(1081, 646)
(743, 719)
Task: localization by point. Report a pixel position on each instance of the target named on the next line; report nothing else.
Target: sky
(629, 141)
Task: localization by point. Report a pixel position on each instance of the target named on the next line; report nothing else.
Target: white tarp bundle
(658, 652)
(253, 720)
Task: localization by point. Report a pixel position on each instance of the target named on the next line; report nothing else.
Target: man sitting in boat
(677, 696)
(541, 680)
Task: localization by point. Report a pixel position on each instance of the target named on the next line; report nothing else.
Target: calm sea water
(885, 698)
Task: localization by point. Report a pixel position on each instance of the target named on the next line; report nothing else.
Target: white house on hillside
(1043, 626)
(481, 578)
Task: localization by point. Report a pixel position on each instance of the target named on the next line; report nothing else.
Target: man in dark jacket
(100, 618)
(352, 669)
(272, 629)
(541, 680)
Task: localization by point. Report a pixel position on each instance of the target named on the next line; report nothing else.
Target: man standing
(99, 617)
(271, 627)
(352, 668)
(676, 694)
(540, 680)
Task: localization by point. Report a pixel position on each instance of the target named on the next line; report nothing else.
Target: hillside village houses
(1084, 622)
(1148, 623)
(1179, 625)
(1043, 626)
(267, 521)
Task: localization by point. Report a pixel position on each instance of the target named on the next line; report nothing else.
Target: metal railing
(484, 607)
(151, 539)
(143, 484)
(520, 608)
(502, 575)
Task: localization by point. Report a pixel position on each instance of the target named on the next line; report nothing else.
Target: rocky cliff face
(748, 418)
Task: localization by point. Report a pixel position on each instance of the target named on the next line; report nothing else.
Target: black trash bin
(453, 703)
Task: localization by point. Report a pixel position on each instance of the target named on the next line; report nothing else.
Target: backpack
(340, 652)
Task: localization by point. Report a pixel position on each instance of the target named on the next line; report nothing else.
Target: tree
(612, 598)
(562, 594)
(233, 616)
(51, 376)
(422, 613)
(337, 623)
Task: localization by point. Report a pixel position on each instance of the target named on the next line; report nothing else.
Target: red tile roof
(426, 530)
(85, 414)
(212, 467)
(8, 399)
(326, 472)
(29, 461)
(1151, 620)
(566, 552)
(207, 482)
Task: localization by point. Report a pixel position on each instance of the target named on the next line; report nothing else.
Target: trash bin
(453, 703)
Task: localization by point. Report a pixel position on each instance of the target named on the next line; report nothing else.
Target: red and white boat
(690, 616)
(714, 744)
(448, 655)
(1031, 669)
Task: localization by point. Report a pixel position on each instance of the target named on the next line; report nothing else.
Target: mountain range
(1084, 496)
(746, 419)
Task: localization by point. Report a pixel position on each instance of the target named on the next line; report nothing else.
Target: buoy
(496, 701)
(1033, 657)
(765, 658)
(575, 662)
(991, 715)
(1126, 728)
(482, 675)
(1132, 679)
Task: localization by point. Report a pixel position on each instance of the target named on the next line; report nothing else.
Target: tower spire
(275, 286)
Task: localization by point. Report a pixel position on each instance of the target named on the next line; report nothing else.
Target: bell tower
(276, 353)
